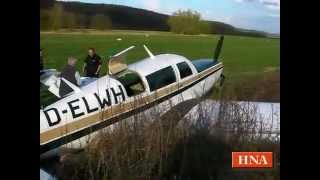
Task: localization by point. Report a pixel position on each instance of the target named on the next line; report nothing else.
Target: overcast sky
(250, 14)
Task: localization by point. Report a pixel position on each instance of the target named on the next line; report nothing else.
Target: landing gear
(222, 78)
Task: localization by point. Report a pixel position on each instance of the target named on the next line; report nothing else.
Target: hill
(124, 17)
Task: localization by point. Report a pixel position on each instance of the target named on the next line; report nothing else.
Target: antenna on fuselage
(149, 52)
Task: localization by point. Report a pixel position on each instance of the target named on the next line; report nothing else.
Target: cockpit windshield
(203, 64)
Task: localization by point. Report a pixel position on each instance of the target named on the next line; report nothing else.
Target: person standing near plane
(69, 73)
(92, 64)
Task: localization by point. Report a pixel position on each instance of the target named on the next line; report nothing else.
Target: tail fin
(218, 48)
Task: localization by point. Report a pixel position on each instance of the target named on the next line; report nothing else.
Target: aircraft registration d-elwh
(124, 92)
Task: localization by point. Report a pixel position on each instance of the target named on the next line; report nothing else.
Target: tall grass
(175, 146)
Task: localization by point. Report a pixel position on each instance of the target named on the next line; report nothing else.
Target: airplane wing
(83, 81)
(51, 79)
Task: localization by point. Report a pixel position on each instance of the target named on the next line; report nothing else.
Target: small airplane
(125, 91)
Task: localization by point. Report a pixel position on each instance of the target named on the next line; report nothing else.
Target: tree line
(55, 18)
(76, 15)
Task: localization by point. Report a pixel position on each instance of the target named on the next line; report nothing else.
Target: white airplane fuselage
(70, 120)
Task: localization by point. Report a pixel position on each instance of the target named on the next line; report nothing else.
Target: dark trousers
(92, 75)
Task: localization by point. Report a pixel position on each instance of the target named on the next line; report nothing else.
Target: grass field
(245, 58)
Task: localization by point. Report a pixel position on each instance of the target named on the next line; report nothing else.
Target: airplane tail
(218, 49)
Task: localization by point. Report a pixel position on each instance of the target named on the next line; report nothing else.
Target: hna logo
(252, 160)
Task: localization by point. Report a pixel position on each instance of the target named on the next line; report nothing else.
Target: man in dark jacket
(68, 73)
(92, 64)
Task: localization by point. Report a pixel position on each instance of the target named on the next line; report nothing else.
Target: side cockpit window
(184, 70)
(161, 78)
(131, 82)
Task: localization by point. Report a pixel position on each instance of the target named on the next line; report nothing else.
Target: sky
(249, 14)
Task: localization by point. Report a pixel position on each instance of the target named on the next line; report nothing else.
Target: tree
(205, 27)
(100, 22)
(69, 20)
(45, 20)
(81, 21)
(56, 15)
(46, 4)
(187, 22)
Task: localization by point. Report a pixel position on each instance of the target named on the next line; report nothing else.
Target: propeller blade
(218, 48)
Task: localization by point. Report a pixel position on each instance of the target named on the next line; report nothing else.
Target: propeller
(216, 56)
(218, 48)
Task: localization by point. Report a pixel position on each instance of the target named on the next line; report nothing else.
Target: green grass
(243, 57)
